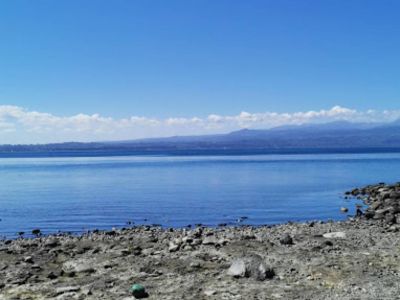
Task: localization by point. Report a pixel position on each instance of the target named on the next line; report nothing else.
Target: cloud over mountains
(20, 125)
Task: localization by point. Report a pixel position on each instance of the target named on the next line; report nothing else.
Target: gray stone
(173, 247)
(251, 266)
(77, 266)
(390, 219)
(210, 240)
(209, 293)
(51, 243)
(67, 289)
(28, 259)
(238, 269)
(287, 240)
(335, 235)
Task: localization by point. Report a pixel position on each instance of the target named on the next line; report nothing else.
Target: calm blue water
(76, 194)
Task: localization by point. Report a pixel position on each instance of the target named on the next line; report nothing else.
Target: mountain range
(342, 136)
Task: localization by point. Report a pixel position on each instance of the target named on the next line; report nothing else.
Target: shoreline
(352, 259)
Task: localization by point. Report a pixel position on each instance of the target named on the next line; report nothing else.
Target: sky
(102, 70)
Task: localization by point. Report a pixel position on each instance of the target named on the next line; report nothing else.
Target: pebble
(28, 259)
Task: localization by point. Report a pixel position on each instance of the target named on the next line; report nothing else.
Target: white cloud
(19, 125)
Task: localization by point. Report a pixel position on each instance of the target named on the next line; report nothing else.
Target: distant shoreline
(198, 152)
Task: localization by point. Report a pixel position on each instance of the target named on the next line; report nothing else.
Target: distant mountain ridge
(334, 135)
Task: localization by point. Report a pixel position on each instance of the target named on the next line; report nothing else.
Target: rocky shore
(354, 259)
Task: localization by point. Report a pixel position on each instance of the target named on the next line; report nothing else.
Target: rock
(344, 209)
(87, 290)
(195, 265)
(382, 211)
(28, 259)
(78, 266)
(210, 292)
(178, 241)
(379, 214)
(173, 247)
(67, 289)
(390, 219)
(210, 240)
(36, 232)
(137, 250)
(222, 242)
(369, 214)
(263, 272)
(36, 267)
(52, 276)
(241, 219)
(83, 248)
(286, 240)
(196, 242)
(375, 205)
(252, 266)
(238, 269)
(187, 240)
(335, 235)
(51, 243)
(198, 232)
(394, 209)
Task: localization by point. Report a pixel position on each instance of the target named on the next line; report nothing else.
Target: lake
(82, 193)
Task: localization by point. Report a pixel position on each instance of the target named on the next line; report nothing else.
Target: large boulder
(251, 266)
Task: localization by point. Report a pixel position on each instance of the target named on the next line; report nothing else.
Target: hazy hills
(329, 136)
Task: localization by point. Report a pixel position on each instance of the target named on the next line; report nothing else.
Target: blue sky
(186, 59)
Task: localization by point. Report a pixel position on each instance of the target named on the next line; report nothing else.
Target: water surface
(81, 193)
